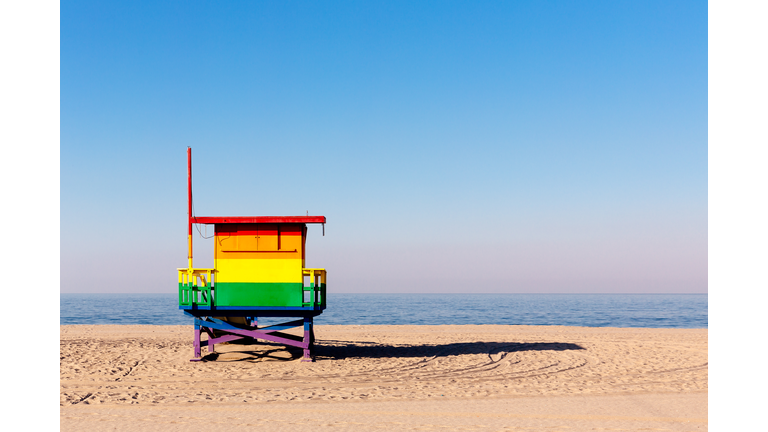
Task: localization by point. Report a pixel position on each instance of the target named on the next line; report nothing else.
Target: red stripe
(259, 219)
(259, 229)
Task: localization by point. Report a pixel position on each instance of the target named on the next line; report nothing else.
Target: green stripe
(258, 294)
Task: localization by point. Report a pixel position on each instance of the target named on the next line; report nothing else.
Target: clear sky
(453, 146)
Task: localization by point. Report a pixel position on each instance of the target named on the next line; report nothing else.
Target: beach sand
(462, 377)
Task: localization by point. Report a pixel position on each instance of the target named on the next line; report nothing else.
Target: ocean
(584, 310)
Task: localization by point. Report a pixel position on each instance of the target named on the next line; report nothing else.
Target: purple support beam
(271, 333)
(210, 342)
(197, 344)
(256, 334)
(222, 339)
(307, 337)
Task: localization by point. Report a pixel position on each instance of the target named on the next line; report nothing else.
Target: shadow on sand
(340, 350)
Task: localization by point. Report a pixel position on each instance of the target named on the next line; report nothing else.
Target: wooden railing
(195, 287)
(314, 294)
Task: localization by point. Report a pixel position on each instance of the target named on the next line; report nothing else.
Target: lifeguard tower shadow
(342, 350)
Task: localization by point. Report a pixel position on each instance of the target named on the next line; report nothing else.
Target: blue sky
(453, 146)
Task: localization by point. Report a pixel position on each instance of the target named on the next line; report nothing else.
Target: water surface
(585, 310)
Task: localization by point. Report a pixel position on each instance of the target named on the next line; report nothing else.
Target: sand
(463, 377)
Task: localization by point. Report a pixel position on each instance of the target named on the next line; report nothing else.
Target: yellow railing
(195, 286)
(314, 294)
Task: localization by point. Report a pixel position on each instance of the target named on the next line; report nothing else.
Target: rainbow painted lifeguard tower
(258, 271)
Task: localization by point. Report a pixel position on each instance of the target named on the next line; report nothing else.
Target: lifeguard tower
(258, 271)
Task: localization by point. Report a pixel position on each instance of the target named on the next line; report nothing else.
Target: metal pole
(189, 205)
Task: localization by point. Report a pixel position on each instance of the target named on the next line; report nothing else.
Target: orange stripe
(263, 247)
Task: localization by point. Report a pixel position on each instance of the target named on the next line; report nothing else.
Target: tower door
(267, 238)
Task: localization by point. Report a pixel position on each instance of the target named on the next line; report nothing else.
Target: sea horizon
(642, 310)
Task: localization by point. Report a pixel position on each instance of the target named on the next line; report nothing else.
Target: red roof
(257, 219)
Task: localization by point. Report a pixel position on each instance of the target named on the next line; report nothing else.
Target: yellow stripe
(258, 270)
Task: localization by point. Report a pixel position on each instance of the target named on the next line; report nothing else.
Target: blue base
(297, 308)
(254, 311)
